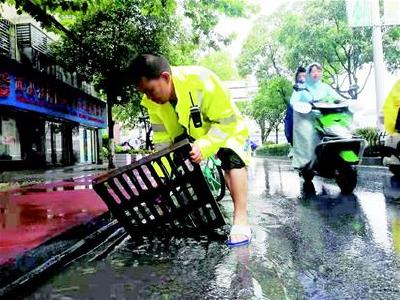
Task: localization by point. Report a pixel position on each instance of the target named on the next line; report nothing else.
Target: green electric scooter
(338, 151)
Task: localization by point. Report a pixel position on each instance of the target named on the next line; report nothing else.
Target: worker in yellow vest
(191, 100)
(391, 111)
(391, 108)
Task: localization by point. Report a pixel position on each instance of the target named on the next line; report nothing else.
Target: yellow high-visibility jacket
(222, 123)
(391, 108)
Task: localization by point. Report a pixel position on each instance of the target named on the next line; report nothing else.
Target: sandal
(240, 230)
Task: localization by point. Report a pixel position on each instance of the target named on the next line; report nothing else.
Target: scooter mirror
(302, 107)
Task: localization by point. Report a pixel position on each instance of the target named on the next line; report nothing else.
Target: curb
(366, 162)
(371, 161)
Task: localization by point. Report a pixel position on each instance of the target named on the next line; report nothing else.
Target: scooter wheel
(346, 179)
(395, 169)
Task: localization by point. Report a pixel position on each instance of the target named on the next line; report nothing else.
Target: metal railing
(5, 43)
(33, 45)
(28, 35)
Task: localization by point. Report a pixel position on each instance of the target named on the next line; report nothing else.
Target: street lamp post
(379, 65)
(366, 13)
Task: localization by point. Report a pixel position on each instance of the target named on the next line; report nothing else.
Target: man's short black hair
(300, 69)
(147, 65)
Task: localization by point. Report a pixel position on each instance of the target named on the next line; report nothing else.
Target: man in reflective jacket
(391, 111)
(169, 95)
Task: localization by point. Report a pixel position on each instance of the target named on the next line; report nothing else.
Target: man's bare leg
(236, 180)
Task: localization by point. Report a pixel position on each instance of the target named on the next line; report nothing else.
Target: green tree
(108, 38)
(244, 107)
(204, 16)
(221, 63)
(104, 35)
(391, 42)
(316, 31)
(319, 32)
(269, 105)
(261, 54)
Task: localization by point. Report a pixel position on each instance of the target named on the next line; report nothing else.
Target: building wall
(45, 117)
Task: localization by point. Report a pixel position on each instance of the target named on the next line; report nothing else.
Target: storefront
(44, 122)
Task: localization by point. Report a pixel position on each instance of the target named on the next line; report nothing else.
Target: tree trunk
(262, 128)
(268, 131)
(276, 134)
(111, 145)
(263, 137)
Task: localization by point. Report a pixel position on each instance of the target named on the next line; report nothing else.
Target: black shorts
(229, 159)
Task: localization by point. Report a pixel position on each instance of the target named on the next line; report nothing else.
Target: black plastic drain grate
(142, 200)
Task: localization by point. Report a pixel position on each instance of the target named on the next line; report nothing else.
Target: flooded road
(307, 244)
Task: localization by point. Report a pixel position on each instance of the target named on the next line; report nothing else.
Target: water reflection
(235, 276)
(336, 248)
(374, 207)
(279, 179)
(243, 285)
(391, 190)
(341, 212)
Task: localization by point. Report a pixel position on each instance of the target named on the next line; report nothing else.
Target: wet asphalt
(307, 244)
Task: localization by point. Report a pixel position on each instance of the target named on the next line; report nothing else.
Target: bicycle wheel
(215, 178)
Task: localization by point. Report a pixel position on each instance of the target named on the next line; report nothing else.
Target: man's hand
(195, 154)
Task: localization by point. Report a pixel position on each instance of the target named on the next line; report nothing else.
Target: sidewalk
(12, 179)
(32, 215)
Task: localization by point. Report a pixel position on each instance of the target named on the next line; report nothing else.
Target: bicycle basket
(142, 200)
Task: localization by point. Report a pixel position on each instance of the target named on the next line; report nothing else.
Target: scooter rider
(300, 79)
(305, 137)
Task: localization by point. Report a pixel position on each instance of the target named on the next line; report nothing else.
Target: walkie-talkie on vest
(195, 113)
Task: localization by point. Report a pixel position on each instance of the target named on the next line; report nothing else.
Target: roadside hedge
(273, 150)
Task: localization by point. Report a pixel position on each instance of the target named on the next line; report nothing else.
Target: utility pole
(366, 13)
(379, 65)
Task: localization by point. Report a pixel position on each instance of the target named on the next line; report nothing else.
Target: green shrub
(104, 153)
(120, 150)
(273, 150)
(140, 151)
(372, 136)
(104, 138)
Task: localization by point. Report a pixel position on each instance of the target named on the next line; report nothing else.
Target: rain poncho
(305, 137)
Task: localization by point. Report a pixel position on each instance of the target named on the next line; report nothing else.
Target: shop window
(76, 144)
(54, 145)
(10, 147)
(87, 139)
